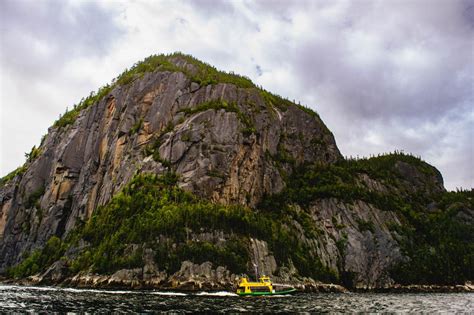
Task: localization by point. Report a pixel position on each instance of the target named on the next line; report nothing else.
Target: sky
(383, 75)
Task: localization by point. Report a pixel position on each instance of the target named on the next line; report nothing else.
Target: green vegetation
(185, 137)
(34, 153)
(341, 180)
(152, 208)
(152, 212)
(30, 157)
(33, 198)
(228, 107)
(383, 166)
(136, 126)
(213, 104)
(439, 244)
(70, 116)
(247, 131)
(39, 259)
(308, 111)
(275, 100)
(283, 156)
(198, 71)
(233, 254)
(153, 150)
(20, 170)
(215, 173)
(365, 226)
(283, 103)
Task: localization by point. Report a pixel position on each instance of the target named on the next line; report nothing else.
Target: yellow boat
(263, 287)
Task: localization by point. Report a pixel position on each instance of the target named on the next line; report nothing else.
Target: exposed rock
(201, 277)
(126, 278)
(314, 286)
(56, 273)
(261, 257)
(84, 164)
(228, 156)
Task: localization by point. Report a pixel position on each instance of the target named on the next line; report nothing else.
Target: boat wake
(164, 293)
(219, 293)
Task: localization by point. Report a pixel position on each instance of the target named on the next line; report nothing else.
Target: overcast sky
(383, 75)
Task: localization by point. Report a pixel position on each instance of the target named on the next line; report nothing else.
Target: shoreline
(187, 287)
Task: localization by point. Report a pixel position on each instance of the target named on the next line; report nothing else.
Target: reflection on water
(51, 299)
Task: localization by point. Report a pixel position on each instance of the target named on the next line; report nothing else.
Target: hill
(178, 175)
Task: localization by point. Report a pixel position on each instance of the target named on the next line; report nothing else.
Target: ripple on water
(73, 290)
(165, 293)
(50, 299)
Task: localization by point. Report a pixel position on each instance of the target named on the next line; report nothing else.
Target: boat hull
(283, 292)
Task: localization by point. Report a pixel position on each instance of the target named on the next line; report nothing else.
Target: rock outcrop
(229, 144)
(82, 165)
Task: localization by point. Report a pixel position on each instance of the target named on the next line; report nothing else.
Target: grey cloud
(419, 73)
(37, 36)
(38, 40)
(383, 88)
(384, 75)
(211, 7)
(399, 70)
(469, 12)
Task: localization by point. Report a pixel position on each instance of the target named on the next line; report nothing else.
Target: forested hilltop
(178, 175)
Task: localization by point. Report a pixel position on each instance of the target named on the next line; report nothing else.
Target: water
(51, 299)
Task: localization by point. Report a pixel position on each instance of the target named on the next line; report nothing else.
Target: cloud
(37, 33)
(384, 75)
(39, 41)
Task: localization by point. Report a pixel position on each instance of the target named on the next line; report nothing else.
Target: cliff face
(229, 143)
(82, 165)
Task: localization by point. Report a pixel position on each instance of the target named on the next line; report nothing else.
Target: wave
(219, 293)
(98, 291)
(164, 293)
(21, 288)
(73, 290)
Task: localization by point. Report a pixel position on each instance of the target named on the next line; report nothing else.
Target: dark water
(49, 299)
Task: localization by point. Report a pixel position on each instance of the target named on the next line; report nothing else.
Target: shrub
(152, 208)
(439, 246)
(365, 225)
(34, 197)
(19, 171)
(38, 260)
(136, 127)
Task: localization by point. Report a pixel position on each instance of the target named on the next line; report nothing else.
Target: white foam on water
(219, 293)
(9, 305)
(21, 288)
(169, 293)
(74, 290)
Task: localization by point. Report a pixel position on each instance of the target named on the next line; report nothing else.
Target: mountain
(178, 175)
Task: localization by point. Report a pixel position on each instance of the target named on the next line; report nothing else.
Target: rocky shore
(125, 280)
(107, 282)
(191, 277)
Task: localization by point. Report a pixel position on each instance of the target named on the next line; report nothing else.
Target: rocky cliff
(178, 175)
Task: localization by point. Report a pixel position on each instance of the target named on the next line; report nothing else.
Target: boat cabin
(263, 285)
